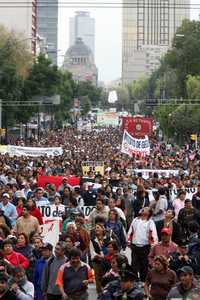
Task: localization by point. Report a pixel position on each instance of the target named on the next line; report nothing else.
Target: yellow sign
(193, 137)
(91, 166)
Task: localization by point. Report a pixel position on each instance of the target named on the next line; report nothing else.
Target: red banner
(57, 180)
(137, 126)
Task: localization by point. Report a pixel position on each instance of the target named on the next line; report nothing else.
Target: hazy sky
(108, 35)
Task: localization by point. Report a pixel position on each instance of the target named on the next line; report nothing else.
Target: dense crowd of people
(141, 239)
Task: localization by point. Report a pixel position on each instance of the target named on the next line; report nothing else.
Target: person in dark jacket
(169, 221)
(180, 258)
(116, 226)
(186, 215)
(195, 257)
(5, 293)
(123, 288)
(46, 251)
(141, 200)
(186, 286)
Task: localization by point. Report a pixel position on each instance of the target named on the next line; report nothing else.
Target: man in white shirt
(141, 235)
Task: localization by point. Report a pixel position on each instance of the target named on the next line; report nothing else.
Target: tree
(15, 60)
(193, 87)
(86, 88)
(85, 105)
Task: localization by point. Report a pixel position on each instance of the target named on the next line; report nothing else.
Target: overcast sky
(108, 35)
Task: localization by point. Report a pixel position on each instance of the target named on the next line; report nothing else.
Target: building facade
(47, 26)
(79, 61)
(21, 18)
(148, 26)
(82, 26)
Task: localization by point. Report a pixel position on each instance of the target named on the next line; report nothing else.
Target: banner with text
(34, 151)
(131, 145)
(146, 173)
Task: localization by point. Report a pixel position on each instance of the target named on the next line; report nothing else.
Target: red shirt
(17, 259)
(35, 212)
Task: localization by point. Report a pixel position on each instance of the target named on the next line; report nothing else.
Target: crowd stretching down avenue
(130, 229)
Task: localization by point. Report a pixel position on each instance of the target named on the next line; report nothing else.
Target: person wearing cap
(39, 197)
(185, 286)
(5, 293)
(46, 251)
(8, 208)
(181, 257)
(187, 215)
(160, 279)
(128, 290)
(123, 287)
(165, 247)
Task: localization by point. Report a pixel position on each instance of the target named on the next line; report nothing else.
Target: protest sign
(52, 218)
(131, 145)
(34, 151)
(57, 180)
(146, 173)
(94, 166)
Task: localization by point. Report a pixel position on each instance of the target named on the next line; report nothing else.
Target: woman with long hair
(116, 226)
(99, 250)
(159, 280)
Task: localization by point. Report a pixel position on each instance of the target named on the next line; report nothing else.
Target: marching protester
(86, 211)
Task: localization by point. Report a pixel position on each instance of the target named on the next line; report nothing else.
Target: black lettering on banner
(55, 213)
(48, 211)
(42, 210)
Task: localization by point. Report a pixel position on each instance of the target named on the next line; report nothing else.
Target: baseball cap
(166, 230)
(6, 195)
(47, 246)
(186, 269)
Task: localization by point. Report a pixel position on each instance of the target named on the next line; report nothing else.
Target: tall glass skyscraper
(148, 28)
(82, 26)
(47, 26)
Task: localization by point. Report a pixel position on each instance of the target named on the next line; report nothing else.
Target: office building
(82, 26)
(47, 26)
(79, 61)
(148, 26)
(20, 17)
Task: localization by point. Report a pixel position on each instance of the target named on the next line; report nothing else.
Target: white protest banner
(189, 193)
(146, 173)
(131, 145)
(34, 151)
(52, 218)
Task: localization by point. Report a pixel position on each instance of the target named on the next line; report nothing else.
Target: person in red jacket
(12, 257)
(34, 211)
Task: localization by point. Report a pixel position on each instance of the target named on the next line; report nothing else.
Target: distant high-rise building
(147, 31)
(82, 26)
(47, 26)
(20, 17)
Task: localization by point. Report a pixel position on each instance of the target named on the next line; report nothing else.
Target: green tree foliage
(193, 87)
(85, 105)
(86, 88)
